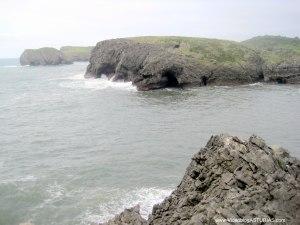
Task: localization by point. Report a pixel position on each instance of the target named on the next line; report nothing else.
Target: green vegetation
(76, 53)
(276, 49)
(203, 49)
(272, 49)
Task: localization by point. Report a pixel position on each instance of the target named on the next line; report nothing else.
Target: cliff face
(229, 180)
(52, 56)
(42, 56)
(155, 65)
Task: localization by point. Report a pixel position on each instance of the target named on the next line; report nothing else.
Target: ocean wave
(27, 178)
(145, 197)
(76, 77)
(256, 84)
(78, 81)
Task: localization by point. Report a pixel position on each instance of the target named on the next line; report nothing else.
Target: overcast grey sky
(38, 23)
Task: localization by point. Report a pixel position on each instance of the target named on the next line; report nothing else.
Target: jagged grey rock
(128, 217)
(152, 66)
(231, 179)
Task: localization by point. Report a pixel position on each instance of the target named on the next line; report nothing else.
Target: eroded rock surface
(283, 74)
(234, 179)
(128, 217)
(152, 66)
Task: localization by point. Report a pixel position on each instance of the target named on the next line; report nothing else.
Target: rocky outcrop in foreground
(230, 180)
(152, 66)
(51, 56)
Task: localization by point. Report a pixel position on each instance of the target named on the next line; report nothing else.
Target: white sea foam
(76, 77)
(145, 197)
(27, 178)
(256, 84)
(55, 192)
(78, 81)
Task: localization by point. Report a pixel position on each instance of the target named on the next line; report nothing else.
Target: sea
(76, 151)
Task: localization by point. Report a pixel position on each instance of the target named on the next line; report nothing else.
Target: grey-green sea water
(76, 151)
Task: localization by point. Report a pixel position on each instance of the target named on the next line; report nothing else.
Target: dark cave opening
(171, 79)
(261, 76)
(106, 69)
(280, 80)
(204, 80)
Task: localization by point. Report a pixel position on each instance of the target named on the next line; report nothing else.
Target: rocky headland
(227, 181)
(152, 66)
(159, 62)
(51, 56)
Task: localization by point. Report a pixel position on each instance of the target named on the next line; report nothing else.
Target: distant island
(51, 56)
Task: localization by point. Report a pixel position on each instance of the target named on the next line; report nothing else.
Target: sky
(39, 23)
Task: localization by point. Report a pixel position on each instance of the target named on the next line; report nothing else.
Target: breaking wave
(78, 81)
(256, 84)
(145, 197)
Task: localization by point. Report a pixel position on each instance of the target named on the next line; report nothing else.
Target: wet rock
(231, 179)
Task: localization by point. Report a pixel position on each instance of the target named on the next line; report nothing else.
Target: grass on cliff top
(276, 49)
(273, 49)
(202, 49)
(76, 50)
(272, 43)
